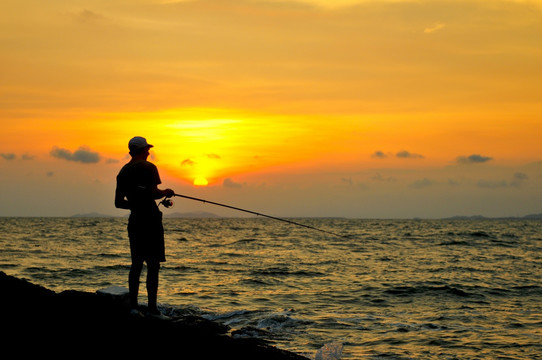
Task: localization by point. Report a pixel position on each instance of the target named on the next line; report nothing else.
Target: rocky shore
(39, 321)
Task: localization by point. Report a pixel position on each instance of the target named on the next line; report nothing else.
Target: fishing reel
(167, 203)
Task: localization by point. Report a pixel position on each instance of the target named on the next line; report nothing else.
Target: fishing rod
(168, 203)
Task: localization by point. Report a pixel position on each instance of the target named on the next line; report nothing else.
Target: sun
(200, 181)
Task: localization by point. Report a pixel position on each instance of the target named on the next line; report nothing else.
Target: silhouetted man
(137, 190)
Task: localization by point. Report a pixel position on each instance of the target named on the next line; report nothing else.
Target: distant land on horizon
(474, 217)
(191, 215)
(206, 215)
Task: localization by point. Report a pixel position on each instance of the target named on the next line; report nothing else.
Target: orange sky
(295, 108)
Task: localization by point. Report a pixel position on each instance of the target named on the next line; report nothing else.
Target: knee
(153, 267)
(136, 267)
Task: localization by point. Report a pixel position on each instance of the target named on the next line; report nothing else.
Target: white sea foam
(331, 351)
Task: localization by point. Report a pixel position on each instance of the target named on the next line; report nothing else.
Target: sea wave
(392, 288)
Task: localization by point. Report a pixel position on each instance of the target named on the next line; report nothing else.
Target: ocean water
(390, 289)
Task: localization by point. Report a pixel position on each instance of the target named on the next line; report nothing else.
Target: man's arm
(120, 200)
(159, 193)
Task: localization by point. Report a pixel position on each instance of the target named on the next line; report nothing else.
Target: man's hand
(168, 193)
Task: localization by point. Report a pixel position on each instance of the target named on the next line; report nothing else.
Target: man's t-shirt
(136, 181)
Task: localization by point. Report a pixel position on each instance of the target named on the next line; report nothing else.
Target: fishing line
(168, 203)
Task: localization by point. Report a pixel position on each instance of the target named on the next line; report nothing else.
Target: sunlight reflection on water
(399, 289)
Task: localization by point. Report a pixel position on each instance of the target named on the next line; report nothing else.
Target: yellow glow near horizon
(214, 144)
(204, 146)
(200, 181)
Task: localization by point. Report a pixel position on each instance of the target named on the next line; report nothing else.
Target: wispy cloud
(408, 155)
(517, 180)
(379, 155)
(13, 156)
(403, 154)
(229, 183)
(347, 181)
(435, 27)
(187, 162)
(473, 159)
(8, 156)
(422, 183)
(87, 16)
(493, 184)
(379, 177)
(83, 155)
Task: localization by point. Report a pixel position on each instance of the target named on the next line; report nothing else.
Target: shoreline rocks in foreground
(39, 321)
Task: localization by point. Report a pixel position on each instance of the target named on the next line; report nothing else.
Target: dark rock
(38, 321)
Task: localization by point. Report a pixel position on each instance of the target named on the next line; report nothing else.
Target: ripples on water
(408, 289)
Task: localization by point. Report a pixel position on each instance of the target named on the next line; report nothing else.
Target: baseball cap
(138, 143)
